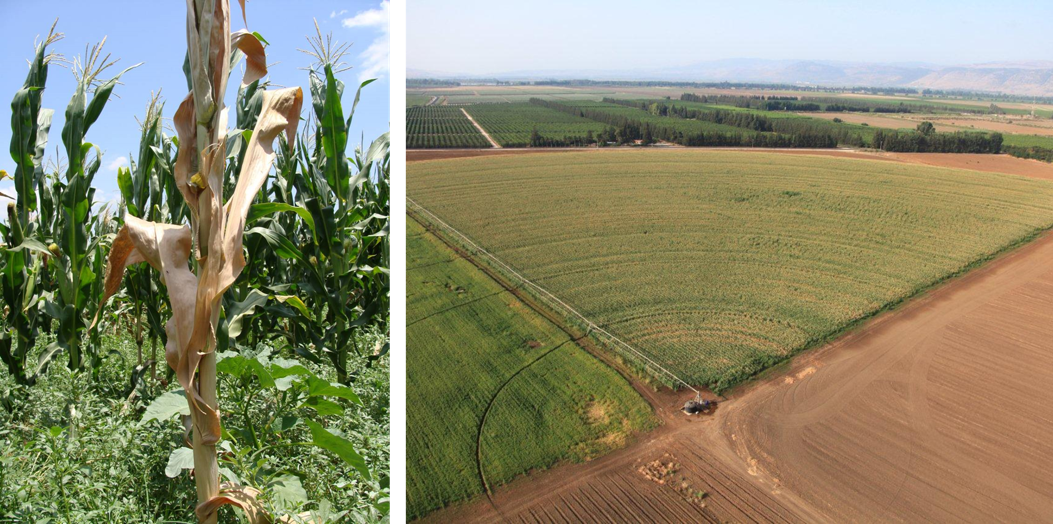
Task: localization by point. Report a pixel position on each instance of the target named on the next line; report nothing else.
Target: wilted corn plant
(216, 230)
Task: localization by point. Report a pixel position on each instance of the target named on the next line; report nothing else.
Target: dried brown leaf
(244, 497)
(255, 56)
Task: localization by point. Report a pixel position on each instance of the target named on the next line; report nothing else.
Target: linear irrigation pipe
(545, 293)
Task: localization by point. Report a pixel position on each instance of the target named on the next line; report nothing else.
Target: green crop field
(719, 264)
(1028, 141)
(677, 124)
(511, 124)
(417, 100)
(475, 353)
(440, 127)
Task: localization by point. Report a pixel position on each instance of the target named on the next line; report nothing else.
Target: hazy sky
(154, 32)
(486, 37)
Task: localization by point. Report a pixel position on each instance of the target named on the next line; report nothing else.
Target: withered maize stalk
(215, 232)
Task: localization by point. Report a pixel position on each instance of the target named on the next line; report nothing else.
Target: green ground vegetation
(441, 127)
(526, 124)
(496, 390)
(417, 100)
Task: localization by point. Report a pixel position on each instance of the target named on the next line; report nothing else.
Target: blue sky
(483, 37)
(153, 32)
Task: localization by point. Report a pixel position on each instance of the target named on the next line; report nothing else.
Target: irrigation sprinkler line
(590, 325)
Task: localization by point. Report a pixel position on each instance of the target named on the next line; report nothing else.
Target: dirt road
(481, 130)
(939, 411)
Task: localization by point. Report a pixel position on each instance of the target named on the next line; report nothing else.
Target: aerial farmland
(811, 290)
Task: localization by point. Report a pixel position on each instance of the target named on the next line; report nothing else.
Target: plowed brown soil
(939, 411)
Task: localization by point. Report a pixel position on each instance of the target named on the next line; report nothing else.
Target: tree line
(760, 131)
(933, 142)
(1032, 152)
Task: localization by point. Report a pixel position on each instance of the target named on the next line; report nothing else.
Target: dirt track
(940, 411)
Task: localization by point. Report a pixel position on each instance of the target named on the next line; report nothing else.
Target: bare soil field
(938, 411)
(875, 120)
(1015, 126)
(978, 103)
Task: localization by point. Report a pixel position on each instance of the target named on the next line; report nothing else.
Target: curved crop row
(719, 264)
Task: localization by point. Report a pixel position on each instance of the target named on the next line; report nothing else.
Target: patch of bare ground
(938, 411)
(871, 119)
(1014, 126)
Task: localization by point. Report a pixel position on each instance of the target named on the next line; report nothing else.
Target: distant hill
(1012, 80)
(1016, 78)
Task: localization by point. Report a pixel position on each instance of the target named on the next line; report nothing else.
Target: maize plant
(339, 249)
(24, 256)
(142, 187)
(216, 228)
(74, 269)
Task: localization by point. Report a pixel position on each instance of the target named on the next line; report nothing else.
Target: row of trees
(623, 130)
(923, 141)
(743, 119)
(760, 131)
(1033, 152)
(781, 105)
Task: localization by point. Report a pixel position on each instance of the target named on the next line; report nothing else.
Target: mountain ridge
(1025, 78)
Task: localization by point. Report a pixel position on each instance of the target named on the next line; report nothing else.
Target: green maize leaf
(102, 95)
(295, 302)
(125, 184)
(334, 136)
(31, 244)
(44, 118)
(358, 96)
(284, 248)
(378, 150)
(49, 354)
(166, 406)
(87, 276)
(325, 221)
(339, 445)
(239, 310)
(267, 208)
(23, 147)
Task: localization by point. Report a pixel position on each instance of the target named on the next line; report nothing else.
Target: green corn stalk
(73, 266)
(142, 188)
(338, 257)
(23, 254)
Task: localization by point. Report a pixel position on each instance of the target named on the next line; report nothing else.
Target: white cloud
(376, 58)
(120, 161)
(335, 14)
(9, 191)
